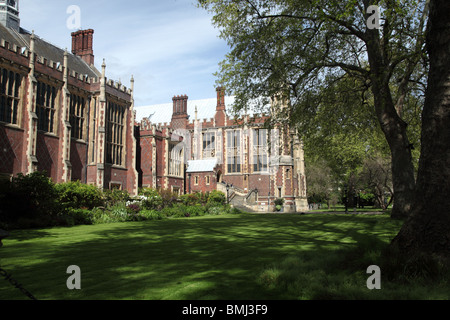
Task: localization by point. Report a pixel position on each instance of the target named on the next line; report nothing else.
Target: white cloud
(170, 47)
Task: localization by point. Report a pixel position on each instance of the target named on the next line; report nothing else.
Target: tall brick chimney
(180, 117)
(220, 98)
(82, 45)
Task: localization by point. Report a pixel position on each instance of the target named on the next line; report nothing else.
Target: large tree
(300, 45)
(427, 229)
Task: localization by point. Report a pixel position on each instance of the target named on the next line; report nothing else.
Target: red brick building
(188, 155)
(59, 114)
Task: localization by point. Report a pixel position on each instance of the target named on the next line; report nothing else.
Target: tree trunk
(393, 127)
(427, 230)
(403, 180)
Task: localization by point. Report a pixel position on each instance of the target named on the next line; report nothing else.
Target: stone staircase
(239, 202)
(239, 198)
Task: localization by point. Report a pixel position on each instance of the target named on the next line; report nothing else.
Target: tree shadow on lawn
(182, 259)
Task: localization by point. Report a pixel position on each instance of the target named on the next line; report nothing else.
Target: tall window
(233, 151)
(175, 161)
(260, 150)
(115, 129)
(10, 83)
(209, 144)
(46, 107)
(76, 116)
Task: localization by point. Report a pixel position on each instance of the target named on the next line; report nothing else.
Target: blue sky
(169, 46)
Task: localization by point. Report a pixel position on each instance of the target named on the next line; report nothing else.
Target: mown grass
(240, 257)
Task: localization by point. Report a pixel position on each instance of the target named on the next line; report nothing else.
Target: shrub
(118, 212)
(279, 204)
(235, 211)
(115, 196)
(133, 208)
(216, 198)
(196, 210)
(218, 210)
(191, 199)
(31, 196)
(170, 211)
(76, 216)
(168, 198)
(152, 200)
(75, 194)
(151, 215)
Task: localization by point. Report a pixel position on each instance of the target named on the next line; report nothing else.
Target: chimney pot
(82, 45)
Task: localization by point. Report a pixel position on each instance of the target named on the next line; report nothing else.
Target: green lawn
(245, 256)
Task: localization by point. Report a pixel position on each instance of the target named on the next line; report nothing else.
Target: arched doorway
(219, 176)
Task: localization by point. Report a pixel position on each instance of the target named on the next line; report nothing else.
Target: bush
(196, 210)
(75, 194)
(192, 199)
(152, 200)
(151, 215)
(218, 210)
(29, 197)
(235, 211)
(118, 212)
(216, 198)
(76, 216)
(172, 212)
(168, 198)
(115, 196)
(133, 208)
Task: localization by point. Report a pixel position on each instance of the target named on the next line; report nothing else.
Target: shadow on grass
(238, 257)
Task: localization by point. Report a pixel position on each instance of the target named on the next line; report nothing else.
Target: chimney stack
(180, 118)
(180, 105)
(82, 45)
(220, 98)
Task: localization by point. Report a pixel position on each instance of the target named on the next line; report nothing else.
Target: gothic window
(209, 145)
(46, 107)
(76, 116)
(260, 150)
(175, 161)
(234, 151)
(115, 132)
(10, 83)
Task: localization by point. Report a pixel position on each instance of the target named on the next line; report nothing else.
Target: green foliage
(115, 196)
(30, 197)
(168, 198)
(151, 215)
(195, 210)
(75, 194)
(76, 216)
(35, 201)
(119, 212)
(216, 198)
(194, 198)
(152, 200)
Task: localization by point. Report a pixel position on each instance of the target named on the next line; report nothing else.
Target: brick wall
(11, 150)
(198, 182)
